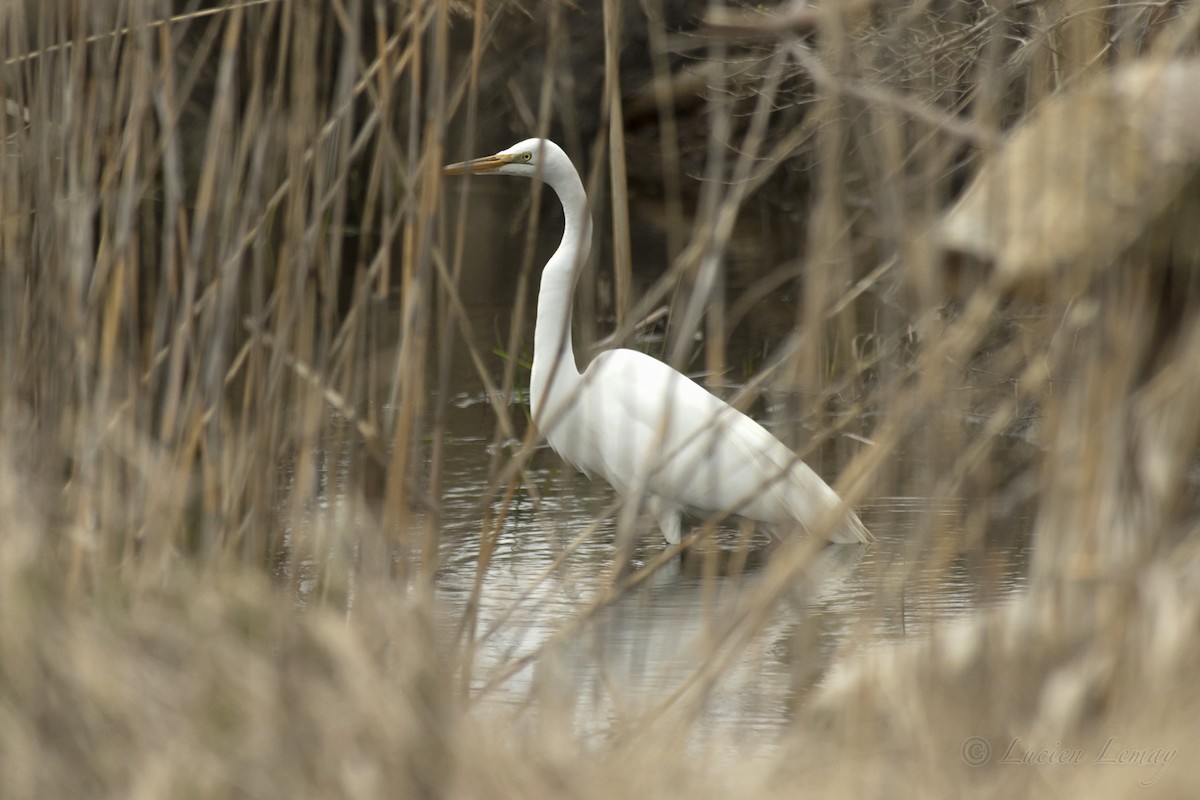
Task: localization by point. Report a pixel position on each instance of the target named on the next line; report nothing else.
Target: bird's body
(636, 422)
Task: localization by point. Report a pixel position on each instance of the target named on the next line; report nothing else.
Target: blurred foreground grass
(202, 217)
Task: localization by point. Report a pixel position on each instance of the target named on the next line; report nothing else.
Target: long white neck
(555, 374)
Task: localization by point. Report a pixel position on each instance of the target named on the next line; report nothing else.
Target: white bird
(648, 430)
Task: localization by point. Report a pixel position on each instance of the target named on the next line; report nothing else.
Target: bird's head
(530, 158)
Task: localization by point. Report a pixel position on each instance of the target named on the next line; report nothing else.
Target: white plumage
(636, 422)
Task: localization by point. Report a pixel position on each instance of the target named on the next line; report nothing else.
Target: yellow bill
(478, 166)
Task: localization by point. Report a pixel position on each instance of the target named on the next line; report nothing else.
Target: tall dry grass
(205, 210)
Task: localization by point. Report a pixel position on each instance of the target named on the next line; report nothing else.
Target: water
(542, 638)
(548, 633)
(547, 638)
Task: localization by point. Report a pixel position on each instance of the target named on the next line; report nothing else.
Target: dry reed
(231, 290)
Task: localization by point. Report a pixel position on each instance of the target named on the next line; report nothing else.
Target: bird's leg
(627, 534)
(668, 516)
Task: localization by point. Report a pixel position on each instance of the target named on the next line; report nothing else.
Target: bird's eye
(526, 156)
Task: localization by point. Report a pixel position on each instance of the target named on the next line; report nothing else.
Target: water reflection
(546, 631)
(543, 636)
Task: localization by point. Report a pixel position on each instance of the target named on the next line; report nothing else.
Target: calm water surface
(648, 651)
(539, 635)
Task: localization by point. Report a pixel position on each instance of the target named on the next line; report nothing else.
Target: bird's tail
(811, 499)
(850, 530)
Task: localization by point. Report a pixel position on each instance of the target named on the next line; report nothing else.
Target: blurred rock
(1086, 175)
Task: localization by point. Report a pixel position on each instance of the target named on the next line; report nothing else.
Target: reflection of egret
(639, 424)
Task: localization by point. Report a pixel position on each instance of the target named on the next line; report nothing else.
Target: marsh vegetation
(274, 523)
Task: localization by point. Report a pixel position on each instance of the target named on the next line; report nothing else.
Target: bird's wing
(653, 413)
(650, 423)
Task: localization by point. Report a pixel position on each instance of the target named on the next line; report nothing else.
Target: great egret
(648, 430)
